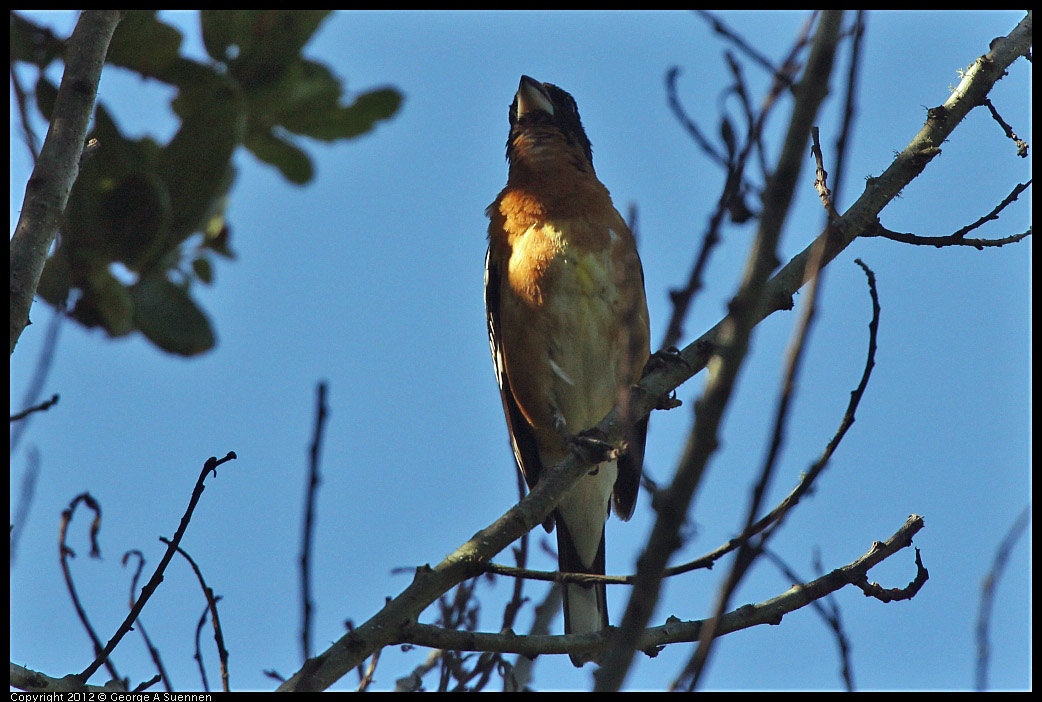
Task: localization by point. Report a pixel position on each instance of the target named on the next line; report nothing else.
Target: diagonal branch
(384, 627)
(58, 165)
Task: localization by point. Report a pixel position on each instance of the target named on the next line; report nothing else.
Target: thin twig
(958, 238)
(829, 611)
(896, 594)
(370, 670)
(44, 363)
(821, 178)
(198, 655)
(23, 114)
(987, 595)
(211, 603)
(1022, 146)
(310, 499)
(723, 30)
(732, 196)
(692, 128)
(139, 625)
(157, 577)
(25, 499)
(42, 407)
(749, 551)
(850, 94)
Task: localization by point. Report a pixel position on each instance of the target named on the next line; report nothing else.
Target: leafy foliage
(137, 202)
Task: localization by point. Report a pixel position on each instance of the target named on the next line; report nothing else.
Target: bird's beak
(531, 96)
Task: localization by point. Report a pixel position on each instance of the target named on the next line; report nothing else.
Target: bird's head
(545, 124)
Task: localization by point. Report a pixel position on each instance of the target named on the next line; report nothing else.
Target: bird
(568, 328)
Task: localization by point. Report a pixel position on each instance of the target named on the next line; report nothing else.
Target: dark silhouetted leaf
(56, 279)
(144, 44)
(136, 212)
(105, 303)
(290, 160)
(169, 318)
(33, 44)
(258, 44)
(203, 269)
(347, 122)
(46, 94)
(196, 164)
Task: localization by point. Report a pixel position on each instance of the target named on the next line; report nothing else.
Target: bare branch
(44, 362)
(821, 178)
(829, 611)
(896, 594)
(723, 30)
(58, 165)
(25, 499)
(769, 612)
(198, 655)
(959, 238)
(23, 113)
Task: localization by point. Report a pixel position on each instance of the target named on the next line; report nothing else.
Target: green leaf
(196, 164)
(144, 44)
(203, 269)
(46, 94)
(32, 43)
(105, 303)
(258, 44)
(119, 208)
(217, 237)
(290, 160)
(55, 281)
(346, 122)
(136, 213)
(306, 101)
(169, 318)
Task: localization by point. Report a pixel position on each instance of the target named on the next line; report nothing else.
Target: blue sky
(370, 278)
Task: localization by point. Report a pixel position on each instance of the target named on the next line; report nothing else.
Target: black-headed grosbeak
(568, 326)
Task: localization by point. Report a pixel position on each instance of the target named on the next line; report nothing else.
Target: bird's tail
(585, 606)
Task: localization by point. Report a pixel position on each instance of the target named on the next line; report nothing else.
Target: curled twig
(65, 553)
(896, 594)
